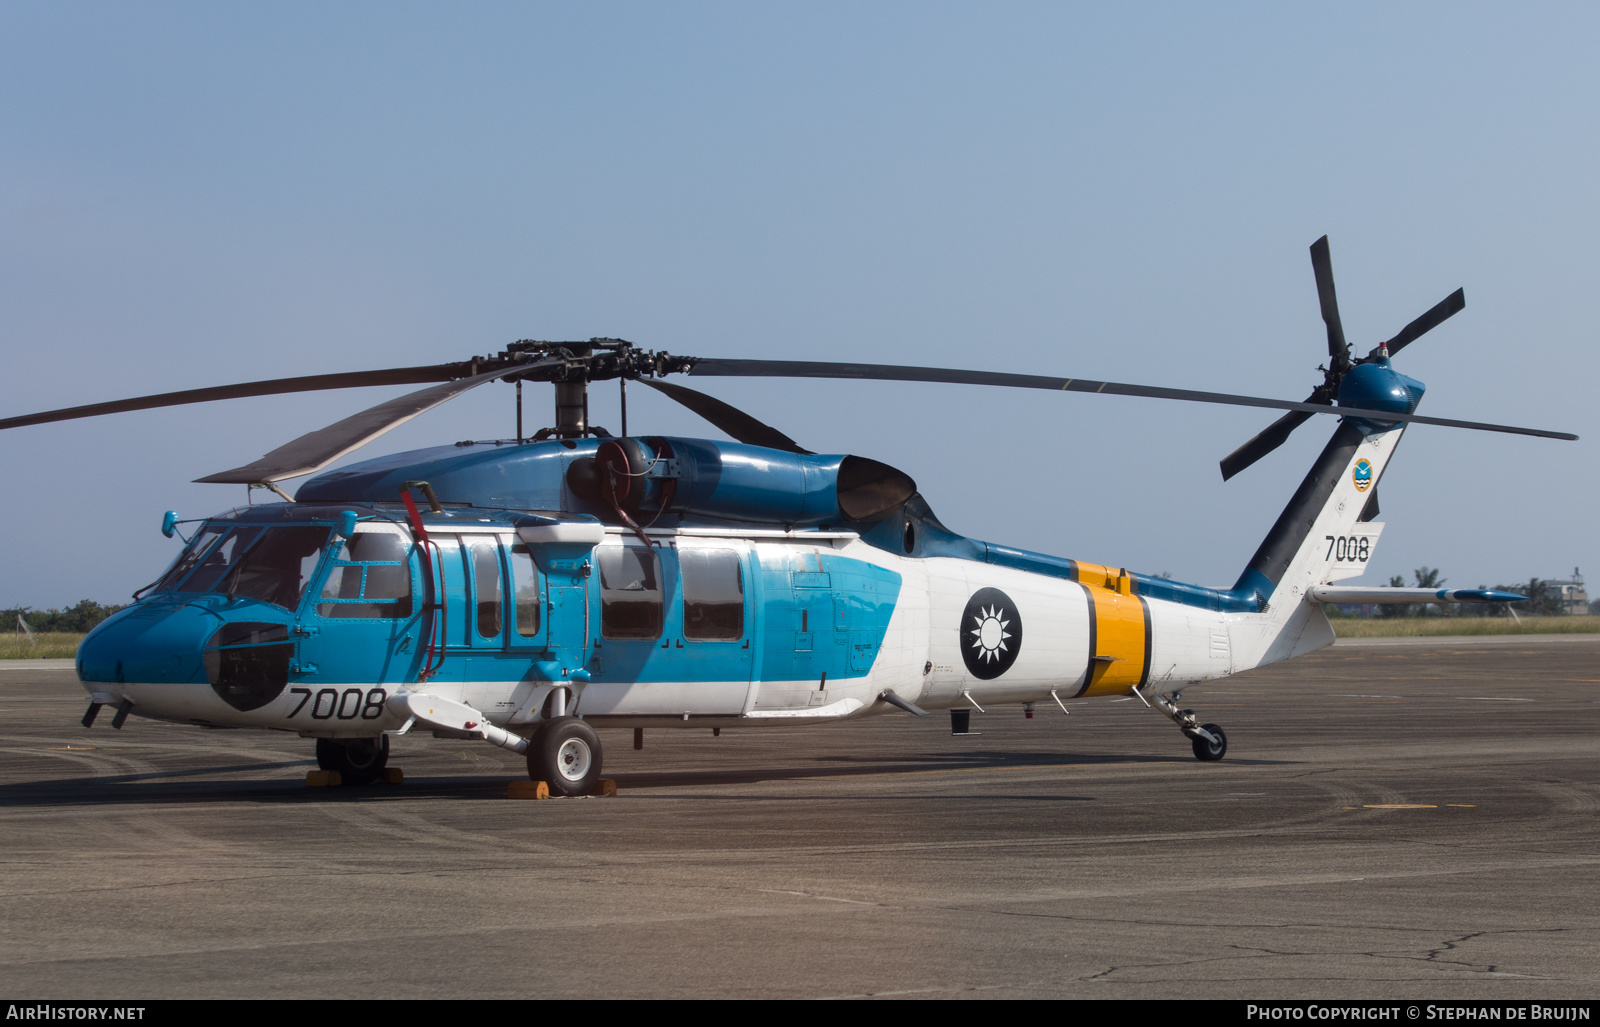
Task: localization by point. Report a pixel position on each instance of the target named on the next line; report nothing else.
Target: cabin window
(525, 582)
(189, 557)
(713, 594)
(372, 579)
(486, 585)
(279, 565)
(630, 592)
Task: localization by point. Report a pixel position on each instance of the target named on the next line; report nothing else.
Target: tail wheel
(1209, 751)
(565, 754)
(359, 761)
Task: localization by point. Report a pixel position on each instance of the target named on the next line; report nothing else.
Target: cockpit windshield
(221, 557)
(273, 564)
(189, 557)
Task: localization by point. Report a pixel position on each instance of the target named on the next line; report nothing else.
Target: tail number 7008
(1349, 548)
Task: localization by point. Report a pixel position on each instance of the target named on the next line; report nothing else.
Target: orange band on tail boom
(1119, 632)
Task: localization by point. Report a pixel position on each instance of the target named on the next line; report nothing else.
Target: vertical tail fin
(1324, 534)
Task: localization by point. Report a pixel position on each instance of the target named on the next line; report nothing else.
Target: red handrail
(436, 629)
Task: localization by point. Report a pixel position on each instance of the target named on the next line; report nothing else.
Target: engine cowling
(727, 481)
(737, 482)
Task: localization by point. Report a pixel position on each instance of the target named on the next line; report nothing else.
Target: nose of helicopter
(151, 641)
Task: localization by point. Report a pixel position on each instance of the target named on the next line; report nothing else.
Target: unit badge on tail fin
(1362, 475)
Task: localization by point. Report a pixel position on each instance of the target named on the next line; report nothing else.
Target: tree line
(81, 617)
(1544, 599)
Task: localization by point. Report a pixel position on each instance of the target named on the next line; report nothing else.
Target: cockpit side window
(371, 578)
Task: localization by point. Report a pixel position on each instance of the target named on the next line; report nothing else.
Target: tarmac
(1410, 818)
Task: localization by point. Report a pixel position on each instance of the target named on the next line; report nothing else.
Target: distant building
(1574, 600)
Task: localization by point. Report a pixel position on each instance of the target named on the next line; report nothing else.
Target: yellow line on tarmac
(1029, 766)
(974, 770)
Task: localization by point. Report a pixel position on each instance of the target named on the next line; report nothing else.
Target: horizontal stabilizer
(1353, 594)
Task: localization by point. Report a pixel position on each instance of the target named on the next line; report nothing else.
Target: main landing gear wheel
(359, 761)
(565, 754)
(1209, 751)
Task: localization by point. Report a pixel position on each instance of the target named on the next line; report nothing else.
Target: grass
(51, 645)
(1412, 627)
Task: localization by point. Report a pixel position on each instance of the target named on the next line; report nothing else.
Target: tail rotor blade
(1273, 436)
(1442, 311)
(1322, 265)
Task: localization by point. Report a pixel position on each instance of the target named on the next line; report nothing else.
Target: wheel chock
(603, 788)
(323, 779)
(392, 775)
(527, 790)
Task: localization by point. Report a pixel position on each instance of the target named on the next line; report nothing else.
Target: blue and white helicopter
(527, 592)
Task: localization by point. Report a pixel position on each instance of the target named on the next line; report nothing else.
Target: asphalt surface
(1409, 818)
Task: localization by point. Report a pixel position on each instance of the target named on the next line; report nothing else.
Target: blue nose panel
(154, 641)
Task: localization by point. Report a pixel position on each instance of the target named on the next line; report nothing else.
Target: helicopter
(528, 592)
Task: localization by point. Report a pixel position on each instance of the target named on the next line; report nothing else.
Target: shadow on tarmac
(160, 787)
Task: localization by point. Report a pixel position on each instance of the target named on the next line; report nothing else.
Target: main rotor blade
(901, 373)
(272, 387)
(1322, 265)
(1442, 311)
(315, 450)
(729, 419)
(1273, 436)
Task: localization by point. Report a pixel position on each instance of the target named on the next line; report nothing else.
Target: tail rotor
(1339, 363)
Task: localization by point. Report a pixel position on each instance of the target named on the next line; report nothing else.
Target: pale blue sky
(197, 194)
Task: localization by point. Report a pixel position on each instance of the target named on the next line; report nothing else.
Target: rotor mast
(576, 364)
(572, 409)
